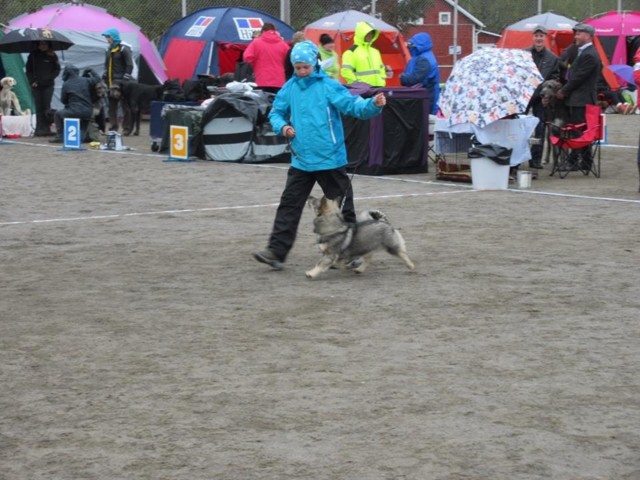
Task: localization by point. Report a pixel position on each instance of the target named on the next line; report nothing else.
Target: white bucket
(488, 175)
(524, 179)
(114, 141)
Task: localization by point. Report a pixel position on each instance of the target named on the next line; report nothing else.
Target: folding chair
(568, 140)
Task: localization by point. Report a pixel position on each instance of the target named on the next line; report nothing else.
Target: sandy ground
(140, 340)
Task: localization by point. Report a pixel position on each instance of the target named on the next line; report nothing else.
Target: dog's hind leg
(399, 249)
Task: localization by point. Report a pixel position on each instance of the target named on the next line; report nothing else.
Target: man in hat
(549, 67)
(581, 87)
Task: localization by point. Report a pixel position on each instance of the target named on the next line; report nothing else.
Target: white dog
(9, 102)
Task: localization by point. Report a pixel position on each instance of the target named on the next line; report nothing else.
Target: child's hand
(288, 131)
(380, 100)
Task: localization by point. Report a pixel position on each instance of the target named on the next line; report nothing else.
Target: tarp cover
(254, 139)
(395, 141)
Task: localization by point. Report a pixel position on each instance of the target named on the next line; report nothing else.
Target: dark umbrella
(25, 40)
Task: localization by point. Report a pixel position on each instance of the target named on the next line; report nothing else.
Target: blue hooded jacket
(312, 106)
(423, 68)
(114, 34)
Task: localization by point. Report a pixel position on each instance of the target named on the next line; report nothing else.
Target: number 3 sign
(179, 145)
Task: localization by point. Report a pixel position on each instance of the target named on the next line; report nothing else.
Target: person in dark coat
(42, 69)
(118, 67)
(549, 67)
(581, 87)
(76, 98)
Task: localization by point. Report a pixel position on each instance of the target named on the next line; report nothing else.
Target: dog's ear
(327, 205)
(313, 202)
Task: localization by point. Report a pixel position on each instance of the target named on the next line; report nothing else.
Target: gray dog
(343, 244)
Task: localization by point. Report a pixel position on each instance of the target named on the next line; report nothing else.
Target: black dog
(138, 97)
(554, 114)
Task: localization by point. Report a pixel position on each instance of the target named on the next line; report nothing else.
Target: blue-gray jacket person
(423, 68)
(307, 110)
(76, 98)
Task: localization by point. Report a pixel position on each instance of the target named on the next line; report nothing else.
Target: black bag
(497, 153)
(172, 91)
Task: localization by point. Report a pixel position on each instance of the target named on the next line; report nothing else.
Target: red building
(438, 22)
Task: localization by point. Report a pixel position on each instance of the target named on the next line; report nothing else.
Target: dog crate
(452, 162)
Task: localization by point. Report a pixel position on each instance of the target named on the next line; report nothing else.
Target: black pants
(42, 103)
(334, 183)
(71, 112)
(536, 150)
(113, 114)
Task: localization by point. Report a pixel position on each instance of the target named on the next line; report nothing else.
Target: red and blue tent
(210, 41)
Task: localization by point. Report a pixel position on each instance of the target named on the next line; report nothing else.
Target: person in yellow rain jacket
(363, 62)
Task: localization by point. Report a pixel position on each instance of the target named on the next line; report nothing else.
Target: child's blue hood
(114, 34)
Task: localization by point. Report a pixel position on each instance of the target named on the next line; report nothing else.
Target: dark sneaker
(55, 140)
(267, 256)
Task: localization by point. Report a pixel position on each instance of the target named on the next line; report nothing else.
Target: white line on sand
(463, 188)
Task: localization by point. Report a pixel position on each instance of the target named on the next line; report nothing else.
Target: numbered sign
(179, 145)
(72, 136)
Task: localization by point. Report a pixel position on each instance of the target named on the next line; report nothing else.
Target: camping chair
(565, 140)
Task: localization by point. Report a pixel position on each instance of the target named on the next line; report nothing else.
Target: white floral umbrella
(489, 84)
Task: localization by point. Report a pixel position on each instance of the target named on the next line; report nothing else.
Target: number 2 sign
(72, 136)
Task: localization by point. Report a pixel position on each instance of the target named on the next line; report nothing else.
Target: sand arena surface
(140, 340)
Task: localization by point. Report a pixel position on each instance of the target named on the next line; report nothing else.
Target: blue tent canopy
(211, 40)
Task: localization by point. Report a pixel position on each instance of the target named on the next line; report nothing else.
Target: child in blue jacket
(307, 111)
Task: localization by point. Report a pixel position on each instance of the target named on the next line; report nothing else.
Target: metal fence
(155, 16)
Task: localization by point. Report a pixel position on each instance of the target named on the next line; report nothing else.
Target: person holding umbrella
(42, 69)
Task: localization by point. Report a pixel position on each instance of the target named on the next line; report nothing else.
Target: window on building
(444, 18)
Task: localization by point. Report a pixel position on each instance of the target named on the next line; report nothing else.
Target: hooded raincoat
(267, 55)
(312, 106)
(423, 68)
(363, 62)
(118, 63)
